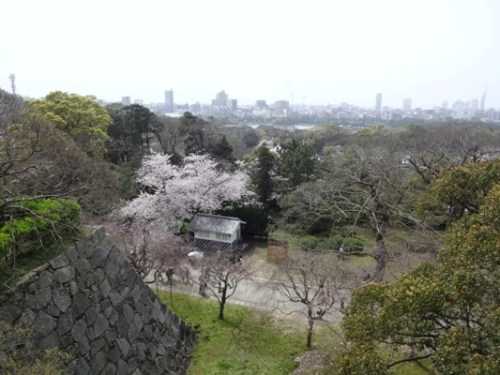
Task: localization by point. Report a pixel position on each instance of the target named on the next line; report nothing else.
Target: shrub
(352, 245)
(309, 242)
(333, 242)
(33, 224)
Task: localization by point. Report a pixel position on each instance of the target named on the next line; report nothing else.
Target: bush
(309, 242)
(37, 223)
(352, 245)
(333, 242)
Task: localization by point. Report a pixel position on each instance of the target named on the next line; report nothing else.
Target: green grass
(246, 342)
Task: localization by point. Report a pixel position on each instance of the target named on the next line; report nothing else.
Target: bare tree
(221, 275)
(313, 280)
(153, 252)
(168, 133)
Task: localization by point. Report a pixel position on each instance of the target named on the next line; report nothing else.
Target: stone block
(59, 261)
(42, 297)
(61, 299)
(110, 369)
(91, 315)
(52, 310)
(51, 341)
(100, 325)
(9, 313)
(114, 354)
(138, 322)
(65, 323)
(100, 255)
(105, 288)
(115, 298)
(84, 346)
(27, 318)
(122, 368)
(44, 279)
(132, 333)
(124, 346)
(65, 274)
(111, 270)
(110, 336)
(98, 362)
(82, 367)
(78, 330)
(80, 304)
(128, 313)
(44, 325)
(97, 345)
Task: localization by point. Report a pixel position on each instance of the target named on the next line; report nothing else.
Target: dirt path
(256, 292)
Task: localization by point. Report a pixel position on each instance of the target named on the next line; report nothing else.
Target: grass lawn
(246, 342)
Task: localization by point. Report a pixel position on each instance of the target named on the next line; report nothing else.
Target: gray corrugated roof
(214, 223)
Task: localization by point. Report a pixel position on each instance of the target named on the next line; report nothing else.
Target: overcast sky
(312, 52)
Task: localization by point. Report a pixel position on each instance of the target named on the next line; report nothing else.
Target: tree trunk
(381, 255)
(222, 303)
(310, 327)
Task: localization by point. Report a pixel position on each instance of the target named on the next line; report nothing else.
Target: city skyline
(317, 53)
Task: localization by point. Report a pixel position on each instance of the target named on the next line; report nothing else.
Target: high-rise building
(378, 103)
(281, 108)
(260, 104)
(483, 100)
(169, 101)
(407, 105)
(232, 104)
(220, 99)
(126, 100)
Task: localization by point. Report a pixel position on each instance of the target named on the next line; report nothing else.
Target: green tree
(262, 171)
(459, 191)
(82, 117)
(296, 164)
(448, 312)
(222, 151)
(129, 132)
(195, 134)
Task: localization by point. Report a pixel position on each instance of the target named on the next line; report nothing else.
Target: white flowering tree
(176, 192)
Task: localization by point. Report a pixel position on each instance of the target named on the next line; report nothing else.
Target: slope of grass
(246, 342)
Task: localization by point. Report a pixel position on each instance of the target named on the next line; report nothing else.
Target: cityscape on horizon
(223, 105)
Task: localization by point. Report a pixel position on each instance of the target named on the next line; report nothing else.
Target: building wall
(90, 302)
(221, 237)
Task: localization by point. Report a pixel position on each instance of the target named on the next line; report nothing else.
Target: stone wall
(90, 302)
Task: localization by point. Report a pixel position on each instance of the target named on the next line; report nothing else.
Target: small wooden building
(213, 232)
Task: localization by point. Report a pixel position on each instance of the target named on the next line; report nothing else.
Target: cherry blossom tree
(152, 251)
(173, 193)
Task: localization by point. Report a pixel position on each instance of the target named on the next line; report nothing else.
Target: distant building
(483, 101)
(378, 103)
(169, 101)
(260, 104)
(126, 100)
(281, 108)
(220, 99)
(138, 101)
(407, 105)
(232, 104)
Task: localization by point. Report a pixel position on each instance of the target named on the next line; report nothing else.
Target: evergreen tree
(261, 175)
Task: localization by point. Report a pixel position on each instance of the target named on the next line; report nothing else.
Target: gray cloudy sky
(313, 52)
